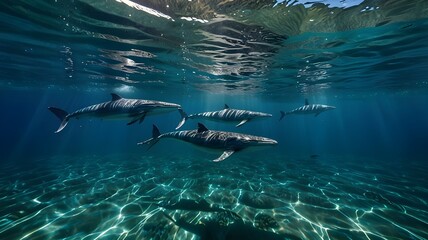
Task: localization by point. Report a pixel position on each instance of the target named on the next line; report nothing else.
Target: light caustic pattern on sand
(97, 198)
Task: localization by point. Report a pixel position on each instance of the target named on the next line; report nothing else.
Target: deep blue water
(386, 126)
(355, 172)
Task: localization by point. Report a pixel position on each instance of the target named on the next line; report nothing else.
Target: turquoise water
(354, 172)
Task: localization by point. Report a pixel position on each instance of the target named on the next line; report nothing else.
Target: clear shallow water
(355, 172)
(116, 198)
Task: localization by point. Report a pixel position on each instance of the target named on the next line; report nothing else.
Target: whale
(134, 110)
(227, 114)
(228, 142)
(308, 109)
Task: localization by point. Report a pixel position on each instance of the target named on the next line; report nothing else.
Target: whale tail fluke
(282, 115)
(62, 115)
(184, 117)
(152, 141)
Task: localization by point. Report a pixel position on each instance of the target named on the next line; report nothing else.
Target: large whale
(118, 108)
(227, 114)
(228, 142)
(308, 109)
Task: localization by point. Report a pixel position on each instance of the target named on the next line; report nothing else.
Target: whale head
(329, 107)
(245, 141)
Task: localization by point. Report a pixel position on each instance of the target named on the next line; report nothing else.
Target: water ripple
(229, 46)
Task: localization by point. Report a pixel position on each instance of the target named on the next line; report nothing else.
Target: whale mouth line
(265, 142)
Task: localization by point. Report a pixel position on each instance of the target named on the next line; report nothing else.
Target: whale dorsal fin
(226, 106)
(201, 128)
(306, 101)
(115, 97)
(155, 132)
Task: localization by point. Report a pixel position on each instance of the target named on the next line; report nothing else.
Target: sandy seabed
(150, 197)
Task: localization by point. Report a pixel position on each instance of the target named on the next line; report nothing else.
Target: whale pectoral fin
(225, 155)
(140, 117)
(132, 122)
(242, 122)
(316, 114)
